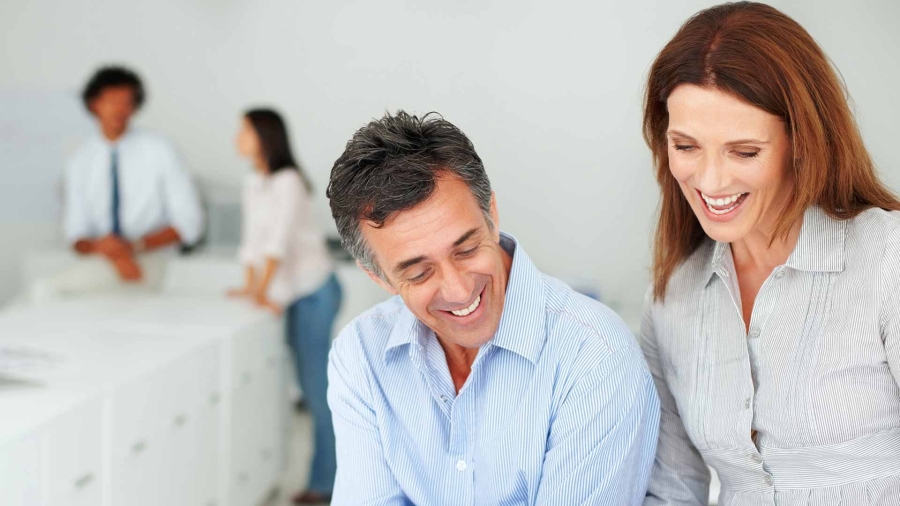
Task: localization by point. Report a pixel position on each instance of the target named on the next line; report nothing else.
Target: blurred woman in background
(773, 328)
(288, 269)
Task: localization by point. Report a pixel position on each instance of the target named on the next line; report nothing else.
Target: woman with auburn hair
(773, 326)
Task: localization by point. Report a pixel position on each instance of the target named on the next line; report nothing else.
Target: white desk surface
(105, 342)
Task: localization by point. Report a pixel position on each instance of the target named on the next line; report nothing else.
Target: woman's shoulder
(875, 222)
(688, 278)
(288, 180)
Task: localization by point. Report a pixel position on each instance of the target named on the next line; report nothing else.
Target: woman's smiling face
(731, 160)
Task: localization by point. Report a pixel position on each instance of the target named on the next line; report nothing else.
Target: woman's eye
(747, 154)
(684, 147)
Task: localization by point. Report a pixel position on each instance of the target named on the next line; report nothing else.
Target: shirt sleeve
(76, 218)
(287, 193)
(890, 302)
(603, 438)
(363, 476)
(680, 476)
(182, 203)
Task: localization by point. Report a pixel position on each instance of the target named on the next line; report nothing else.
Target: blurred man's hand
(113, 247)
(127, 268)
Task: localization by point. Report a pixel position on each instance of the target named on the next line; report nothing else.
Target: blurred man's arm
(182, 204)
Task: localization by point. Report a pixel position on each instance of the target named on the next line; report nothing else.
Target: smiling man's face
(444, 259)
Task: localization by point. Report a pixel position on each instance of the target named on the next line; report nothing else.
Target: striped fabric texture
(559, 409)
(815, 378)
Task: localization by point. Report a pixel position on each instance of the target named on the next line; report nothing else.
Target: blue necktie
(116, 226)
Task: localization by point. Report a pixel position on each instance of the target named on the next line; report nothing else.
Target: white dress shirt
(278, 223)
(155, 191)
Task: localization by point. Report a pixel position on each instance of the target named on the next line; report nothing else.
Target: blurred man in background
(126, 191)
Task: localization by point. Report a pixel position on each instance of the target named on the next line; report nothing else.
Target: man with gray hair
(483, 381)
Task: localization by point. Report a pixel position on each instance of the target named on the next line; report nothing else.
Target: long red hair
(762, 56)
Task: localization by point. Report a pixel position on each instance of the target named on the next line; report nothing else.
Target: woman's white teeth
(722, 202)
(467, 311)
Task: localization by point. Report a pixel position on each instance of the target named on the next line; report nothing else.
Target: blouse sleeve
(680, 476)
(890, 301)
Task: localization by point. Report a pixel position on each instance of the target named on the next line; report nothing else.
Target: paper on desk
(28, 363)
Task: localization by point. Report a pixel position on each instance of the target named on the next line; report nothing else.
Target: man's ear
(377, 279)
(495, 217)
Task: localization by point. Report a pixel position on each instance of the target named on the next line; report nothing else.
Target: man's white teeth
(722, 202)
(467, 311)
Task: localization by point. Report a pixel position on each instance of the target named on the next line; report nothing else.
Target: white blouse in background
(278, 223)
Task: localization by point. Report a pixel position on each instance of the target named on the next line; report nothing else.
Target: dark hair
(273, 141)
(391, 165)
(763, 57)
(110, 77)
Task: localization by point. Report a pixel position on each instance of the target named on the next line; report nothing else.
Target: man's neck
(112, 134)
(459, 362)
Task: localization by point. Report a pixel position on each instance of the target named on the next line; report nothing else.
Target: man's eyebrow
(406, 264)
(402, 266)
(465, 237)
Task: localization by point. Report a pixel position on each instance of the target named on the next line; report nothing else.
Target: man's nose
(456, 287)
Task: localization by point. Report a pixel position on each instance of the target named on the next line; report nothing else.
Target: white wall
(548, 90)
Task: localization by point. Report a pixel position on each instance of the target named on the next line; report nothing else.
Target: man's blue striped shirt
(559, 407)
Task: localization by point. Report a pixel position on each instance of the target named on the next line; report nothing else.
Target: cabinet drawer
(75, 456)
(20, 472)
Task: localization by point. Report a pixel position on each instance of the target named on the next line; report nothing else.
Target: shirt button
(754, 333)
(769, 480)
(461, 465)
(779, 274)
(756, 458)
(747, 403)
(444, 398)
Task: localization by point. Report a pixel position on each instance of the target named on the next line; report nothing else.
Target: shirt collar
(110, 145)
(521, 328)
(820, 246)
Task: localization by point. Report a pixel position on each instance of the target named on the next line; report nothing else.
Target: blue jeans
(309, 323)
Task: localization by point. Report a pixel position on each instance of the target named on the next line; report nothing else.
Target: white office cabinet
(257, 410)
(74, 458)
(20, 472)
(160, 400)
(137, 452)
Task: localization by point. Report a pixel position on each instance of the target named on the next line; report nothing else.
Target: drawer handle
(180, 420)
(84, 481)
(138, 447)
(214, 398)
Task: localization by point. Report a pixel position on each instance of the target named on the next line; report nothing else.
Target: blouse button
(769, 480)
(756, 458)
(461, 465)
(754, 333)
(747, 403)
(779, 274)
